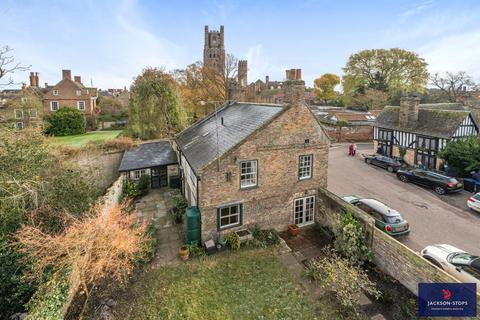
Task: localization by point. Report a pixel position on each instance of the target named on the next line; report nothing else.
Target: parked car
(384, 162)
(386, 219)
(474, 202)
(439, 183)
(460, 264)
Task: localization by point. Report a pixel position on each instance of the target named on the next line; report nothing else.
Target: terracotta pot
(294, 229)
(184, 253)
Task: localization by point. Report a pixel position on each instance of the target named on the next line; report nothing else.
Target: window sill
(248, 188)
(229, 227)
(303, 179)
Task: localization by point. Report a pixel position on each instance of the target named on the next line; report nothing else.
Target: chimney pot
(78, 79)
(46, 84)
(66, 74)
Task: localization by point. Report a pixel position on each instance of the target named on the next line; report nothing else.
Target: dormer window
(55, 92)
(79, 92)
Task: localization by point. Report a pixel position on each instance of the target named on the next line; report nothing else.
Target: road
(431, 219)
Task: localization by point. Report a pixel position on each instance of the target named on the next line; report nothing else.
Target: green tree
(36, 188)
(389, 70)
(155, 108)
(65, 122)
(372, 99)
(463, 156)
(325, 87)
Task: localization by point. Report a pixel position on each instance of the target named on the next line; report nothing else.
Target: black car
(384, 162)
(439, 183)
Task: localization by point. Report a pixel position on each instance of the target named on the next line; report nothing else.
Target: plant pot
(293, 229)
(184, 253)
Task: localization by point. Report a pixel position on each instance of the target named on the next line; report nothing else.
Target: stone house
(422, 130)
(254, 164)
(72, 93)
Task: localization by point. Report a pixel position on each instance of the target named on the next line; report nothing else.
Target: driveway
(431, 219)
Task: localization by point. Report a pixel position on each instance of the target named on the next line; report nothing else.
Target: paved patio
(154, 207)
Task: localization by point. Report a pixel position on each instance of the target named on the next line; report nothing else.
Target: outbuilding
(156, 159)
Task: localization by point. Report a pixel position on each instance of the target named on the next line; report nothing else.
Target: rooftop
(148, 155)
(199, 142)
(437, 120)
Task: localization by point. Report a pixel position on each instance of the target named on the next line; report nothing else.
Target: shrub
(66, 121)
(195, 251)
(233, 241)
(180, 204)
(130, 190)
(150, 245)
(264, 238)
(144, 184)
(103, 245)
(118, 144)
(462, 156)
(350, 240)
(338, 274)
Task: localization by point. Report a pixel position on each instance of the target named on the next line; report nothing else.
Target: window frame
(55, 92)
(304, 208)
(300, 168)
(21, 127)
(17, 112)
(137, 174)
(32, 113)
(51, 105)
(250, 173)
(78, 92)
(84, 105)
(239, 206)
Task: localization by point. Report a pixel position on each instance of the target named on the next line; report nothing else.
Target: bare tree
(220, 80)
(453, 84)
(8, 65)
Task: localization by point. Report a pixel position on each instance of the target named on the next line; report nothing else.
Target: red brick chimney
(67, 74)
(294, 88)
(32, 79)
(37, 83)
(77, 79)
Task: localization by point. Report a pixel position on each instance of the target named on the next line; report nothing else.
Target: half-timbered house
(421, 130)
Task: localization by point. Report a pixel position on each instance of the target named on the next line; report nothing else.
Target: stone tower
(214, 49)
(242, 73)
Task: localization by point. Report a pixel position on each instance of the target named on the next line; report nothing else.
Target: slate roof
(148, 155)
(435, 120)
(199, 142)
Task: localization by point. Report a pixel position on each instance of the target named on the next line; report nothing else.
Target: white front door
(303, 210)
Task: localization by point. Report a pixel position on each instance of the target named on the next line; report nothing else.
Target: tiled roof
(199, 142)
(436, 120)
(148, 155)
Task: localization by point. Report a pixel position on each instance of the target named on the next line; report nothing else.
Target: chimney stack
(46, 84)
(294, 88)
(66, 74)
(77, 79)
(32, 79)
(408, 113)
(37, 83)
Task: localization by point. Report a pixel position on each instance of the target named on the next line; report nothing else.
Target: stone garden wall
(391, 256)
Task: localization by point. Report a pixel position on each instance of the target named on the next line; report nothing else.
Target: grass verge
(82, 139)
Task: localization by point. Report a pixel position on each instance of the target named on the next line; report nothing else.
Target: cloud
(109, 42)
(419, 8)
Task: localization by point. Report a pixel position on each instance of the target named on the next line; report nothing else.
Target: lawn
(82, 139)
(249, 284)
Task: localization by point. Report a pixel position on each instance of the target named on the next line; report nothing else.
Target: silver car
(474, 202)
(458, 263)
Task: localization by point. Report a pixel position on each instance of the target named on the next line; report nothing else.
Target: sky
(109, 42)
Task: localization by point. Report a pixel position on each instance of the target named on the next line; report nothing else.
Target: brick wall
(391, 256)
(277, 148)
(350, 133)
